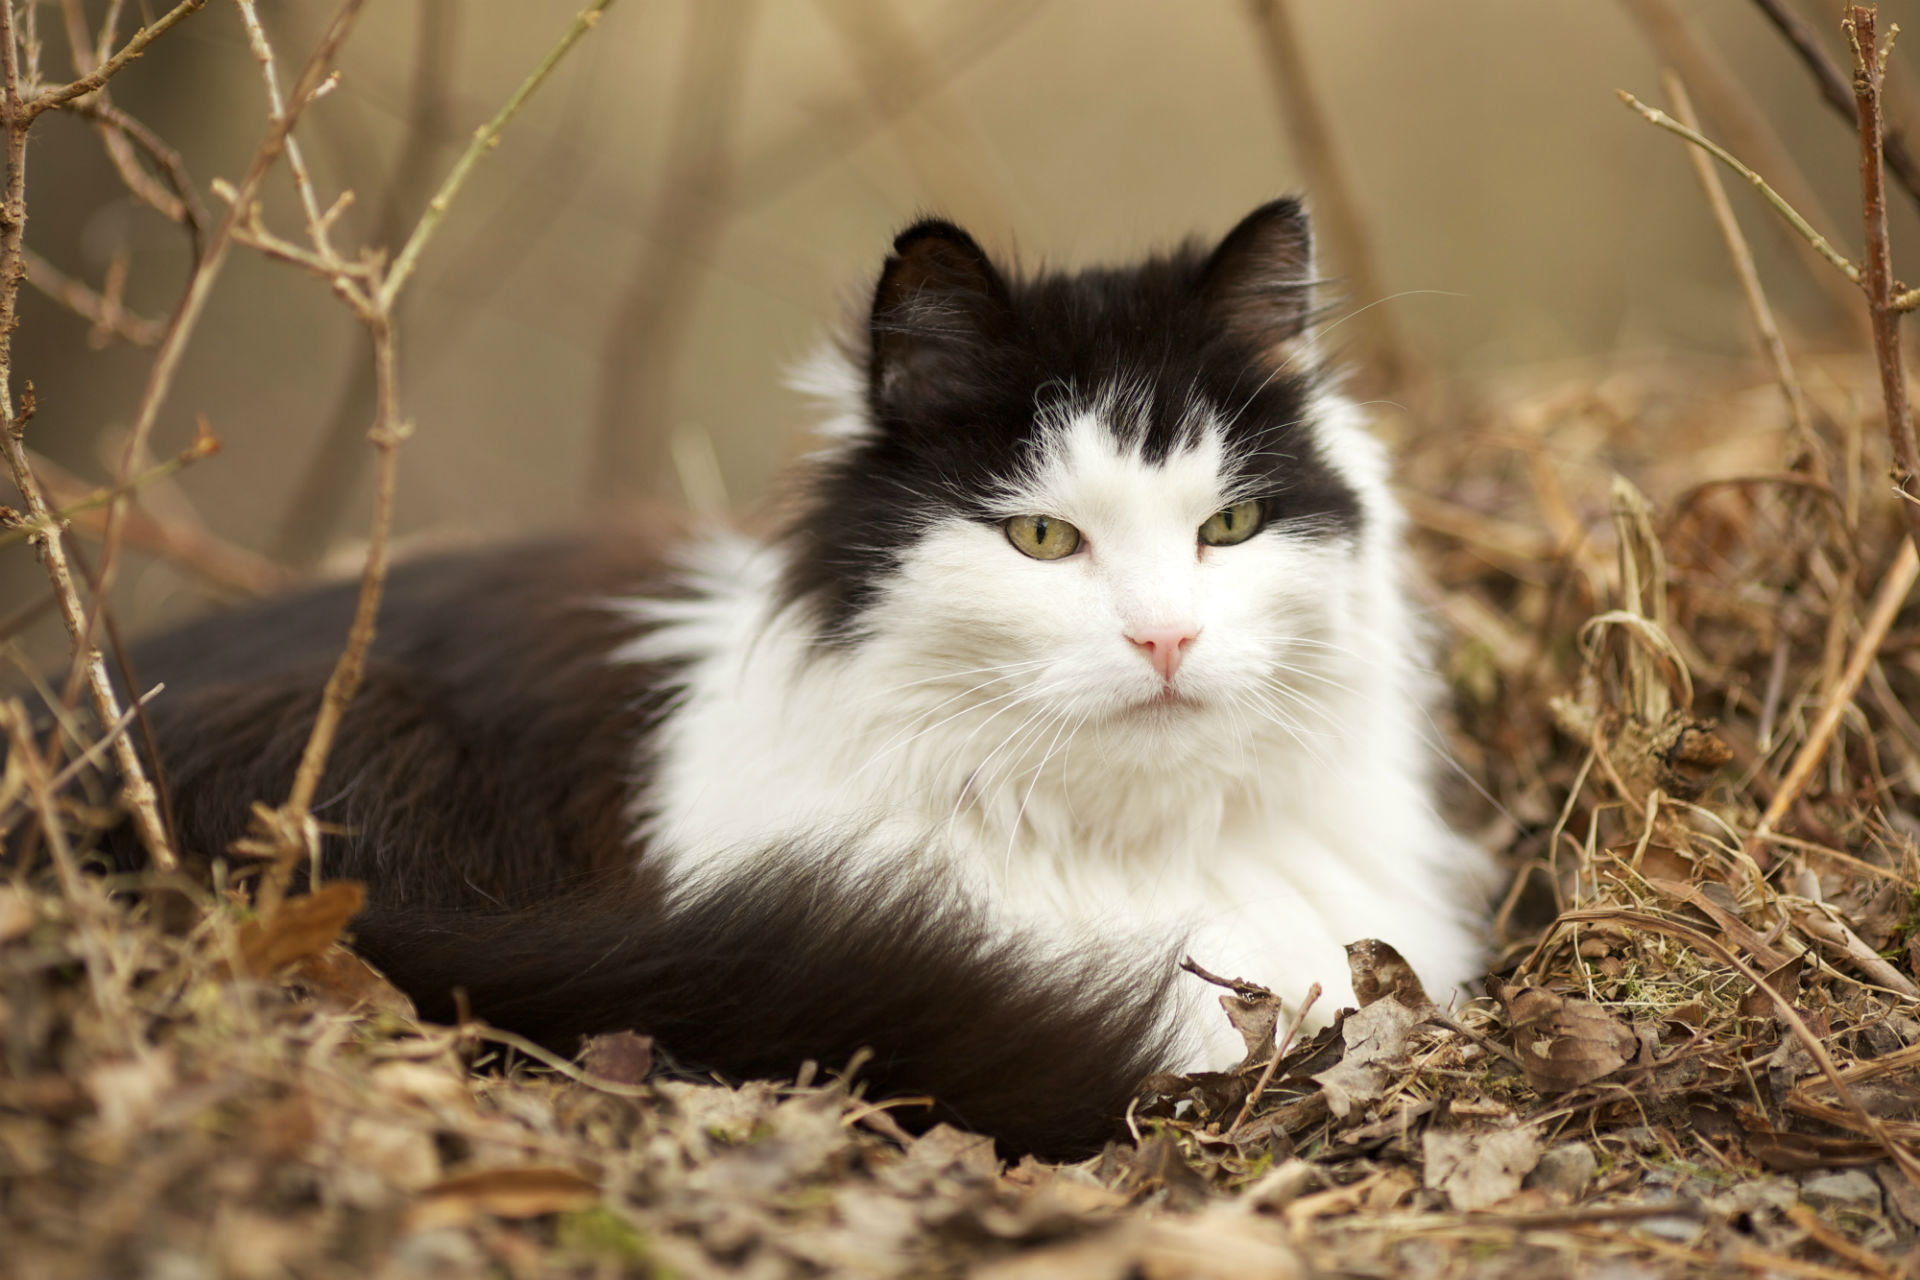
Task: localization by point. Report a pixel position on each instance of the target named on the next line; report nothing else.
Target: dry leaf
(1565, 1042)
(1378, 971)
(302, 927)
(1255, 1016)
(1477, 1170)
(1373, 1036)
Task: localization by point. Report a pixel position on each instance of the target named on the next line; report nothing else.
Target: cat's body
(909, 777)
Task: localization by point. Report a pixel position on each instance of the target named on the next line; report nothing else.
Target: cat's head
(1118, 493)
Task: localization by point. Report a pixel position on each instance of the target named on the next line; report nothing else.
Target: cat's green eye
(1232, 524)
(1043, 537)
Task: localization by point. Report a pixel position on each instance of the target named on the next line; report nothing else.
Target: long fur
(884, 781)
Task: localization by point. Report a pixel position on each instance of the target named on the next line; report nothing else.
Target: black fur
(961, 357)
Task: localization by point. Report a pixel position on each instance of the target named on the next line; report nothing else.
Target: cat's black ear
(1259, 283)
(939, 298)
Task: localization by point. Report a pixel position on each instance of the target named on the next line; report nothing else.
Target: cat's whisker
(893, 744)
(1019, 815)
(980, 779)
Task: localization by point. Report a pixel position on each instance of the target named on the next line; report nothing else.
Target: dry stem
(1836, 90)
(1743, 267)
(1347, 234)
(167, 362)
(1820, 243)
(1748, 132)
(1886, 606)
(111, 67)
(289, 832)
(1869, 72)
(137, 792)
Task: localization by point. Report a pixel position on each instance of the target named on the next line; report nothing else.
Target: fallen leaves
(1565, 1042)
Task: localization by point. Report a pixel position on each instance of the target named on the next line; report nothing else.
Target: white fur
(998, 720)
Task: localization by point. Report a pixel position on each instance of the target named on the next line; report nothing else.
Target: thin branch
(1820, 243)
(310, 516)
(47, 525)
(1836, 89)
(1290, 74)
(111, 67)
(1743, 267)
(642, 341)
(167, 362)
(289, 832)
(1886, 606)
(178, 541)
(104, 311)
(89, 666)
(183, 206)
(1869, 72)
(276, 104)
(485, 138)
(1728, 104)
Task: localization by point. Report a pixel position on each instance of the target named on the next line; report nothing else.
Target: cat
(1083, 646)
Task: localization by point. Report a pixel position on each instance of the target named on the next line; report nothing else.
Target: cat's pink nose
(1163, 646)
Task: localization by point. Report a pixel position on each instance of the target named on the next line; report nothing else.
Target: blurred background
(705, 189)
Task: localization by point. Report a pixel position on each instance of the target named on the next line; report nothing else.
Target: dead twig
(102, 309)
(186, 317)
(1725, 101)
(133, 48)
(1869, 73)
(1771, 344)
(1886, 606)
(643, 339)
(1820, 243)
(1349, 242)
(46, 526)
(287, 833)
(1279, 1052)
(317, 503)
(89, 666)
(1835, 88)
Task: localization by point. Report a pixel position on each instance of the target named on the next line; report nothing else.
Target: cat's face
(1097, 500)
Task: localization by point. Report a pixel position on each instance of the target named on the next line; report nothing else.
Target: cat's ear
(939, 298)
(1258, 284)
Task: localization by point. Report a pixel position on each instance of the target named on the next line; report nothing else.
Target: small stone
(1854, 1191)
(1565, 1170)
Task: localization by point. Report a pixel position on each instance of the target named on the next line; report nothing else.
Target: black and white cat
(1085, 645)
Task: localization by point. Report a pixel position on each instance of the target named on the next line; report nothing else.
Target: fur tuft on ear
(1259, 282)
(939, 296)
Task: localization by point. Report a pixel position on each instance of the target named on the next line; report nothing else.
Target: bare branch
(1826, 250)
(1770, 341)
(1869, 73)
(166, 363)
(642, 342)
(104, 311)
(1746, 130)
(111, 67)
(1836, 90)
(136, 791)
(485, 138)
(1347, 234)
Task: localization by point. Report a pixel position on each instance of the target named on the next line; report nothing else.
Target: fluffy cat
(1084, 645)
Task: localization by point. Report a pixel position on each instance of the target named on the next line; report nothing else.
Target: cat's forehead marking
(1090, 463)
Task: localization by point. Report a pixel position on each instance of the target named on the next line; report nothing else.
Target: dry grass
(1681, 669)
